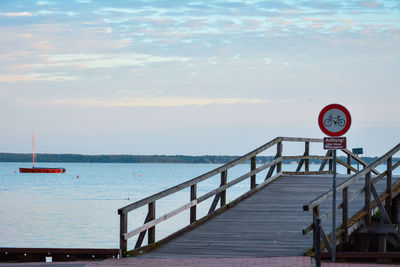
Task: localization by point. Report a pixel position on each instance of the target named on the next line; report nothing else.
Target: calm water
(79, 208)
(62, 210)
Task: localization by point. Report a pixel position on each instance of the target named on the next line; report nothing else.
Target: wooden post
(328, 153)
(307, 153)
(396, 210)
(151, 232)
(389, 186)
(224, 176)
(279, 154)
(348, 163)
(331, 164)
(345, 215)
(382, 243)
(318, 243)
(315, 217)
(253, 163)
(123, 228)
(368, 197)
(193, 210)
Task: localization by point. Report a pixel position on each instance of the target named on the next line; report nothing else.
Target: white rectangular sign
(334, 142)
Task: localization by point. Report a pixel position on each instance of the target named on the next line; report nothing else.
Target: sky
(195, 77)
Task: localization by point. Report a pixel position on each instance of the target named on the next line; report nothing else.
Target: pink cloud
(26, 35)
(17, 78)
(311, 19)
(253, 23)
(371, 4)
(43, 45)
(316, 26)
(340, 29)
(24, 66)
(50, 77)
(17, 14)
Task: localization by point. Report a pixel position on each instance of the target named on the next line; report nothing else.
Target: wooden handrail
(351, 198)
(198, 179)
(307, 157)
(160, 219)
(371, 205)
(349, 167)
(169, 191)
(356, 158)
(352, 179)
(238, 180)
(298, 139)
(185, 207)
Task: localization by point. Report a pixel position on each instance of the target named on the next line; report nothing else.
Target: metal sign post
(334, 207)
(334, 120)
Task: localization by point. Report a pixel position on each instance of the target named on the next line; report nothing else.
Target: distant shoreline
(79, 158)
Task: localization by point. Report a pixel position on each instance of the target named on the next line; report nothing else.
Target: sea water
(79, 208)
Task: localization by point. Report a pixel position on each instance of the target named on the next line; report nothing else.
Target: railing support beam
(142, 234)
(328, 154)
(348, 163)
(306, 162)
(224, 178)
(123, 228)
(318, 243)
(151, 233)
(345, 215)
(307, 153)
(221, 196)
(193, 210)
(367, 204)
(253, 163)
(279, 154)
(315, 217)
(389, 186)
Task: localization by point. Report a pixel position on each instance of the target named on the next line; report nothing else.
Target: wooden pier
(274, 217)
(269, 223)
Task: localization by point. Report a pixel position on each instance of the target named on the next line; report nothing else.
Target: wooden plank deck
(269, 223)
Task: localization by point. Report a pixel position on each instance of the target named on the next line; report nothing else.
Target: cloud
(121, 43)
(267, 61)
(55, 12)
(142, 102)
(17, 14)
(42, 45)
(371, 4)
(118, 10)
(109, 60)
(54, 77)
(43, 3)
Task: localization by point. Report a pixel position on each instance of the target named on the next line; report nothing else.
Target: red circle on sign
(330, 108)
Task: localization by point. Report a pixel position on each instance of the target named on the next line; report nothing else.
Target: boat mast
(33, 154)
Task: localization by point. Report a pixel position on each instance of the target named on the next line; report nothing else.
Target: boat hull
(41, 170)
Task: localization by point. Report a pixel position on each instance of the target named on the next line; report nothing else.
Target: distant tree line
(23, 157)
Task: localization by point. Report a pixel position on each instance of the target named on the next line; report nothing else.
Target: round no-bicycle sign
(334, 120)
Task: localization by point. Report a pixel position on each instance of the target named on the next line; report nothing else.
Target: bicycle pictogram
(335, 120)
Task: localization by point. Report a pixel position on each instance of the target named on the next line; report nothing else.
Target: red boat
(39, 169)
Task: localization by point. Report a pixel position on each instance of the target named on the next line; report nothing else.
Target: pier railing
(382, 202)
(219, 193)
